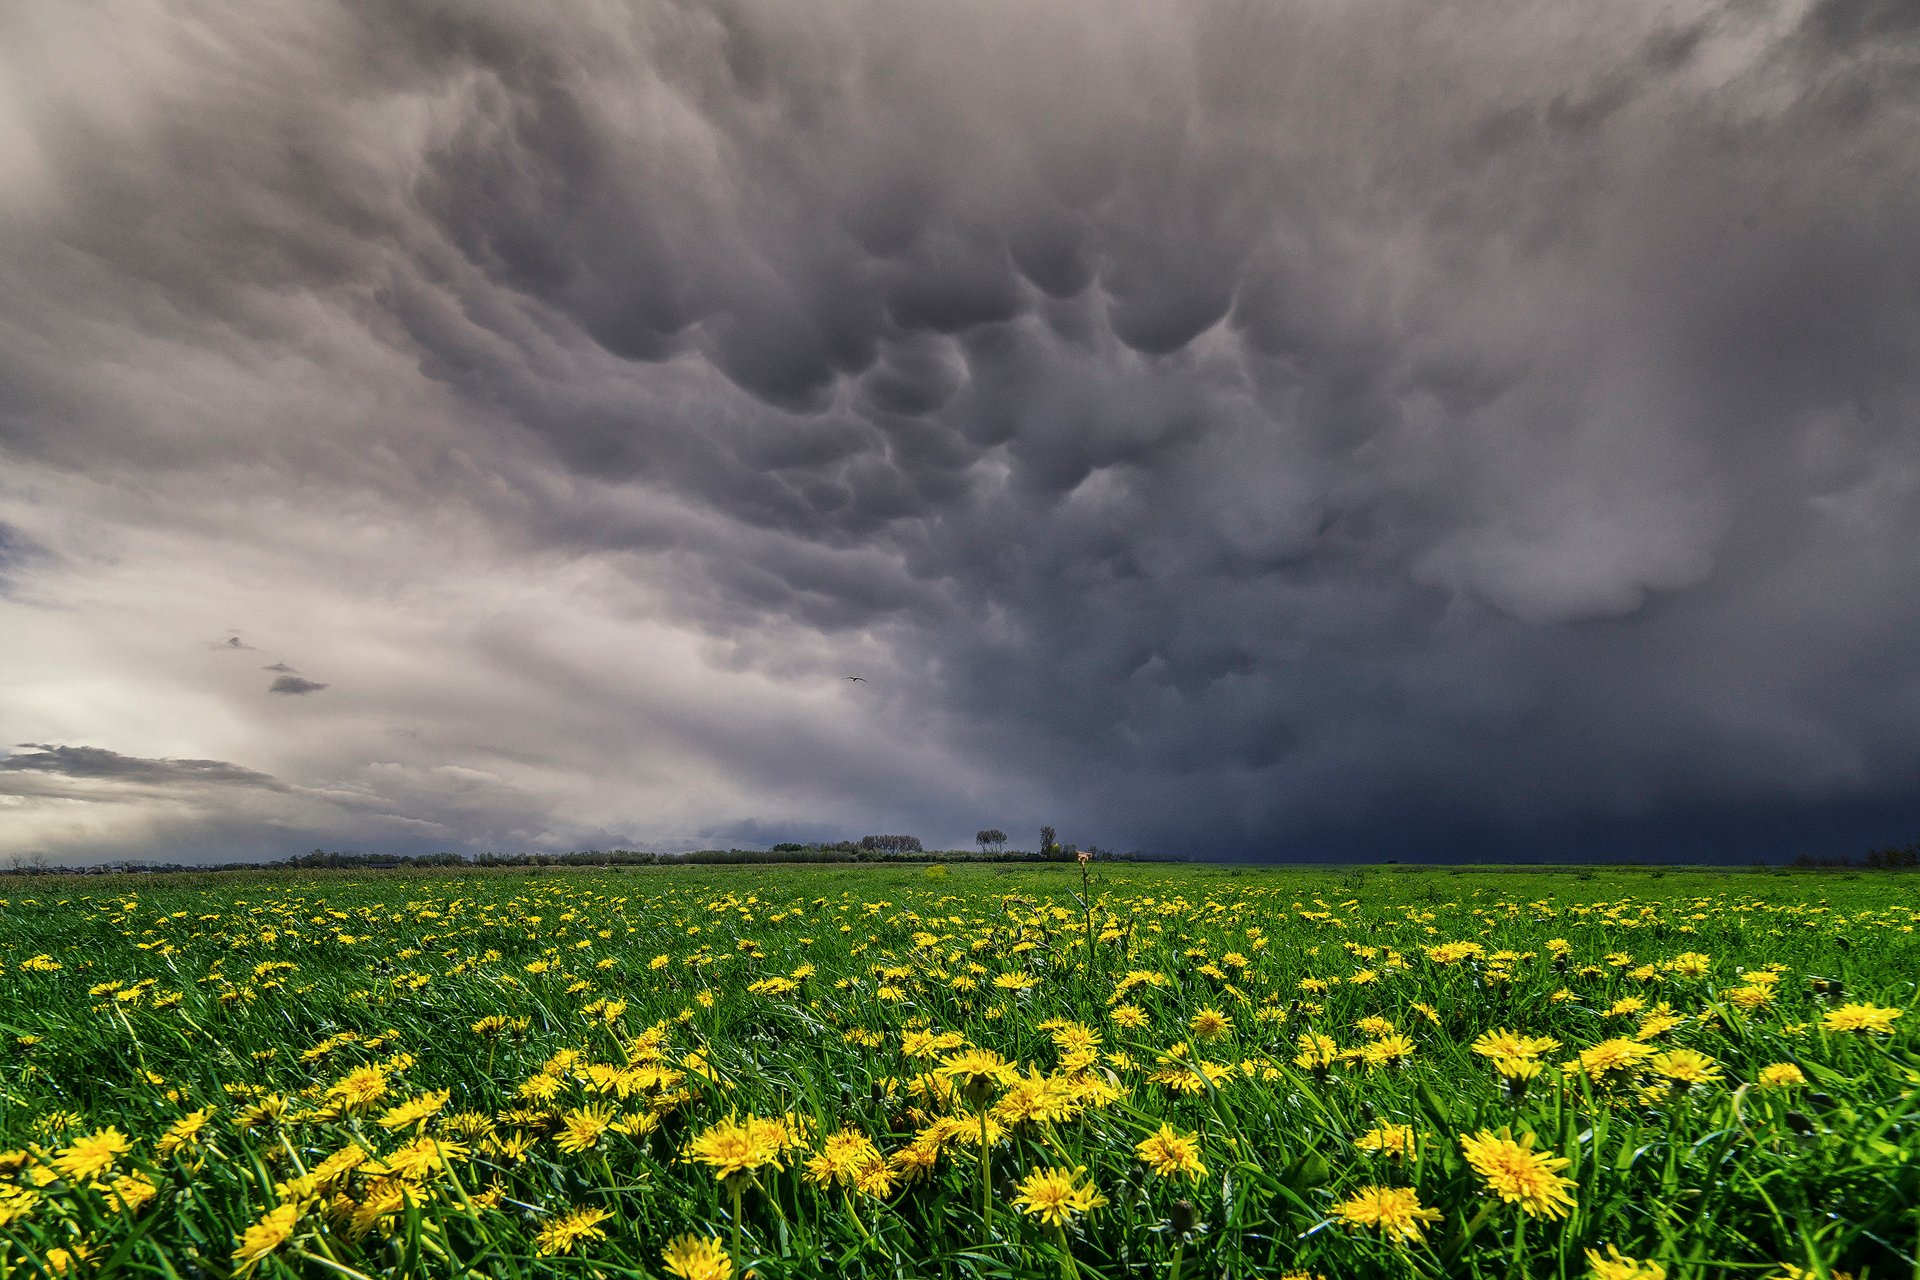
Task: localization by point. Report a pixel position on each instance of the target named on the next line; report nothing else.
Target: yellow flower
(1686, 1067)
(731, 1147)
(1511, 1044)
(1860, 1017)
(92, 1155)
(1389, 1139)
(849, 1159)
(17, 1203)
(414, 1109)
(65, 1261)
(264, 1236)
(693, 1258)
(1395, 1212)
(1518, 1174)
(1610, 1060)
(1781, 1075)
(361, 1087)
(1054, 1196)
(132, 1191)
(185, 1131)
(581, 1128)
(1613, 1265)
(976, 1073)
(562, 1234)
(1168, 1152)
(1209, 1024)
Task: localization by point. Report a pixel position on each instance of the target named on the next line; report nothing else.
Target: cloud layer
(1368, 430)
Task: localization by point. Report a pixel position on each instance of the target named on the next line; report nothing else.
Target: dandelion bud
(1183, 1217)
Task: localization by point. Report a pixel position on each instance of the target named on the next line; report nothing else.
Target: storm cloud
(1290, 430)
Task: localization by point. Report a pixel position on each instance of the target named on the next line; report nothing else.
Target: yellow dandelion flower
(1209, 1024)
(731, 1147)
(1169, 1152)
(94, 1154)
(564, 1233)
(1686, 1067)
(1781, 1075)
(580, 1129)
(1518, 1174)
(1863, 1018)
(695, 1258)
(274, 1229)
(1613, 1265)
(1388, 1140)
(1396, 1212)
(1055, 1196)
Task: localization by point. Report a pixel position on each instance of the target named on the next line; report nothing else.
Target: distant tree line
(878, 848)
(1891, 858)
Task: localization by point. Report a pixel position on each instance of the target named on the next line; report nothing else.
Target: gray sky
(1284, 429)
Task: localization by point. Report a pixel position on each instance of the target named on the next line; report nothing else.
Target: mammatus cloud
(1287, 430)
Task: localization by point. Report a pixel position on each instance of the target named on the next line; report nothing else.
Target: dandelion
(1388, 1140)
(581, 1128)
(1209, 1024)
(1396, 1212)
(90, 1156)
(17, 1203)
(132, 1191)
(1055, 1196)
(1518, 1174)
(1511, 1044)
(1170, 1153)
(1686, 1067)
(1613, 1265)
(731, 1148)
(565, 1233)
(263, 1237)
(976, 1073)
(1781, 1075)
(1610, 1061)
(361, 1087)
(697, 1258)
(1862, 1018)
(414, 1110)
(850, 1159)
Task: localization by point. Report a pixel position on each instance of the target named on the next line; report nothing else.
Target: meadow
(1104, 1072)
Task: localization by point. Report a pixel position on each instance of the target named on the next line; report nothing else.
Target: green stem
(1069, 1269)
(1179, 1248)
(733, 1190)
(986, 1182)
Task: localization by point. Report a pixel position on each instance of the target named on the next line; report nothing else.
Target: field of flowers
(1115, 1071)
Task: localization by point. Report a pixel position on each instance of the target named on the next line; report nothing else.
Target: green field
(1182, 1071)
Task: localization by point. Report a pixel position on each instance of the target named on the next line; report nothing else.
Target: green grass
(241, 979)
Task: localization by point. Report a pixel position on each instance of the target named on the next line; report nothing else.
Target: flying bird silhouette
(855, 679)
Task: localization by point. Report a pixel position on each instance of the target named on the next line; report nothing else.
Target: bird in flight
(855, 679)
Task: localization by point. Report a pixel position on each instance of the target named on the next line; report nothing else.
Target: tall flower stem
(986, 1182)
(733, 1190)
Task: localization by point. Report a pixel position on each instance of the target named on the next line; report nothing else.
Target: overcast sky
(1282, 429)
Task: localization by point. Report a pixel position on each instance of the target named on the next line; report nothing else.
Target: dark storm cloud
(295, 685)
(32, 760)
(1240, 429)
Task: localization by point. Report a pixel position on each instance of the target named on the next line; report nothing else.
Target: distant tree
(991, 839)
(890, 844)
(1049, 843)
